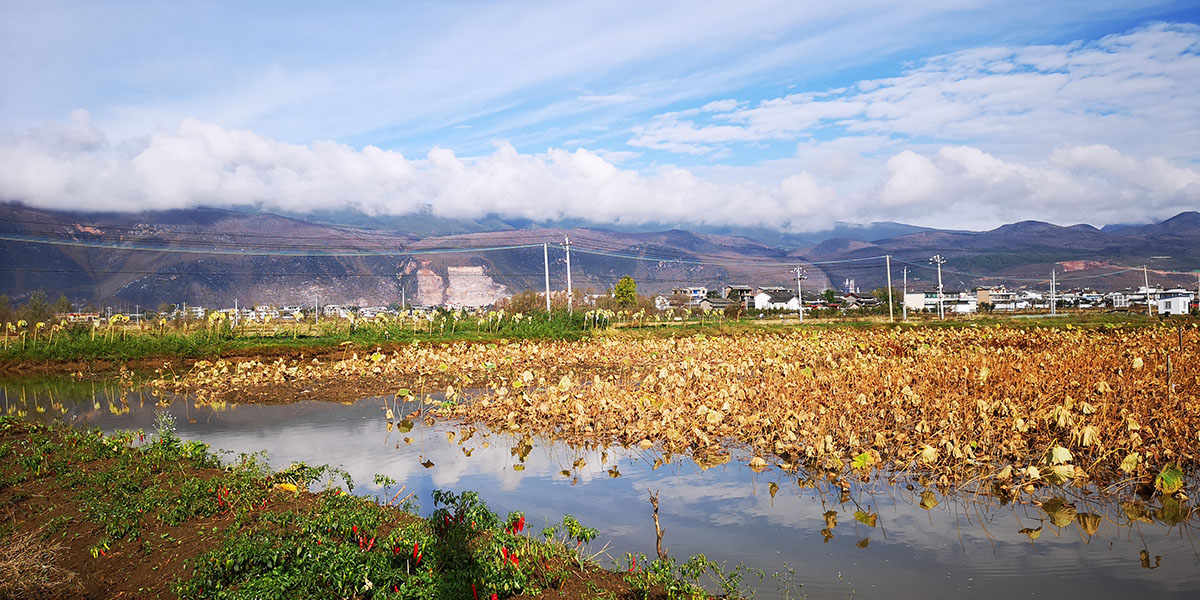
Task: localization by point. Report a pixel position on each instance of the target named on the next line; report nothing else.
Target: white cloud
(912, 179)
(1101, 130)
(1135, 91)
(720, 106)
(73, 166)
(608, 98)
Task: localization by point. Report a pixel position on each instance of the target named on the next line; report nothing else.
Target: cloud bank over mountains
(1099, 131)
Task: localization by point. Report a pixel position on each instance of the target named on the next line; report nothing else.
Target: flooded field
(872, 539)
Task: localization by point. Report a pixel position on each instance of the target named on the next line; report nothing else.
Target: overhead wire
(659, 254)
(1010, 277)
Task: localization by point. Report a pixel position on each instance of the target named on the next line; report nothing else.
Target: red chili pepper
(354, 529)
(494, 596)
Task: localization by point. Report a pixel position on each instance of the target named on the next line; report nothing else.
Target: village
(728, 300)
(1156, 300)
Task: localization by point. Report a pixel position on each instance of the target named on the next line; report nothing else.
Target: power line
(221, 251)
(1015, 278)
(216, 247)
(778, 264)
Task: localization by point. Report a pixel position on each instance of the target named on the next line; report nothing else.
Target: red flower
(494, 596)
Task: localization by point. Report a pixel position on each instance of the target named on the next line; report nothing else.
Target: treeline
(36, 308)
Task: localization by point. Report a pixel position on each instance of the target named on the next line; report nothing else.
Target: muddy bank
(88, 516)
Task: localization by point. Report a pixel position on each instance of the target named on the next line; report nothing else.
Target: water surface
(950, 546)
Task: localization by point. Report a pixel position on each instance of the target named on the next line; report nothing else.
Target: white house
(694, 293)
(916, 300)
(1174, 303)
(1117, 300)
(776, 300)
(961, 303)
(998, 297)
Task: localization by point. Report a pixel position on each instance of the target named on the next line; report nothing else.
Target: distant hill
(211, 256)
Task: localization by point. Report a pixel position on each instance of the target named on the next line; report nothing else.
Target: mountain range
(212, 257)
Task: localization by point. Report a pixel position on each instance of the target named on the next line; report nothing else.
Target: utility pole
(800, 276)
(567, 245)
(891, 310)
(546, 264)
(1053, 304)
(316, 309)
(939, 260)
(1146, 278)
(904, 305)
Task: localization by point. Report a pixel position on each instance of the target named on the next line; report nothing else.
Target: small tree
(37, 308)
(625, 292)
(6, 310)
(526, 301)
(63, 306)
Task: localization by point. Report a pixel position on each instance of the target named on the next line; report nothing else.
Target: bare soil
(145, 568)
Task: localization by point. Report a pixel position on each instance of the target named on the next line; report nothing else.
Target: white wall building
(1174, 303)
(776, 300)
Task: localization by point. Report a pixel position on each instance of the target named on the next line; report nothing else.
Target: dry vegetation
(28, 569)
(1018, 406)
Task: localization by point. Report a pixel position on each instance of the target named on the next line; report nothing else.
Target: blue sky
(791, 115)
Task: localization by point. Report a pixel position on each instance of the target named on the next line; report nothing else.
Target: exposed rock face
(462, 286)
(431, 289)
(469, 286)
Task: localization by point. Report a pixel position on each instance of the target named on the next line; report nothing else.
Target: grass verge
(83, 514)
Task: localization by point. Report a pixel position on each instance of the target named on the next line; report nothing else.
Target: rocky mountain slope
(208, 256)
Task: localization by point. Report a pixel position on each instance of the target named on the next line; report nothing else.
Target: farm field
(1017, 405)
(103, 347)
(829, 460)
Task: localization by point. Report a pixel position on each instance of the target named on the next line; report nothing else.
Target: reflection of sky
(726, 512)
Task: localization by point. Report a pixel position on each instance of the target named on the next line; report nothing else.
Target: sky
(787, 115)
